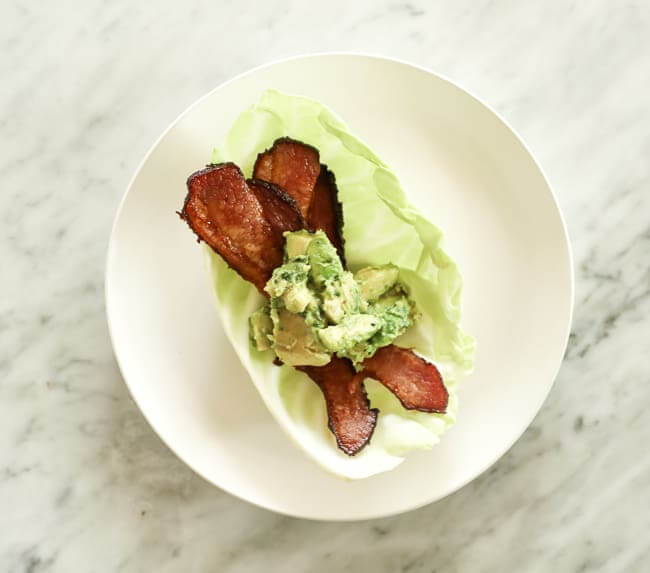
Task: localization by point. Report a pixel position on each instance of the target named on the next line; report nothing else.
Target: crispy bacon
(416, 382)
(350, 417)
(293, 166)
(241, 220)
(325, 211)
(296, 167)
(280, 209)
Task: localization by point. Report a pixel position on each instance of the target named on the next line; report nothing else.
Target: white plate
(465, 168)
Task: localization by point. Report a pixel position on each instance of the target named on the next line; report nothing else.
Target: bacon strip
(350, 417)
(280, 209)
(296, 167)
(325, 211)
(241, 220)
(293, 166)
(416, 382)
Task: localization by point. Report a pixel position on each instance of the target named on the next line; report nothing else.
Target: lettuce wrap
(380, 226)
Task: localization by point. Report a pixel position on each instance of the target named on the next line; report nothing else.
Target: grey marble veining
(86, 87)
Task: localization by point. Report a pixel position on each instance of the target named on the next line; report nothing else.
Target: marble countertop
(85, 484)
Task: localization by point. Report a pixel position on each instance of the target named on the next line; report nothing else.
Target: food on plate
(416, 383)
(350, 417)
(372, 320)
(295, 166)
(243, 220)
(317, 308)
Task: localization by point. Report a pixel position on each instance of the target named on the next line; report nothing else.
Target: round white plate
(465, 168)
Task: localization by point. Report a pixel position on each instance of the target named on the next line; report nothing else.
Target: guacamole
(317, 308)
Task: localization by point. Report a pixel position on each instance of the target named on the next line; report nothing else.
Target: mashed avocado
(317, 308)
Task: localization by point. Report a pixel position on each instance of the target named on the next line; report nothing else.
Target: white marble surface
(86, 87)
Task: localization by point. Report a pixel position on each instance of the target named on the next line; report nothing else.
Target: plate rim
(110, 256)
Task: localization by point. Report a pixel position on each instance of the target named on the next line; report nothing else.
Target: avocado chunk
(294, 340)
(375, 281)
(298, 298)
(297, 243)
(396, 314)
(289, 283)
(261, 327)
(292, 273)
(323, 259)
(353, 329)
(341, 297)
